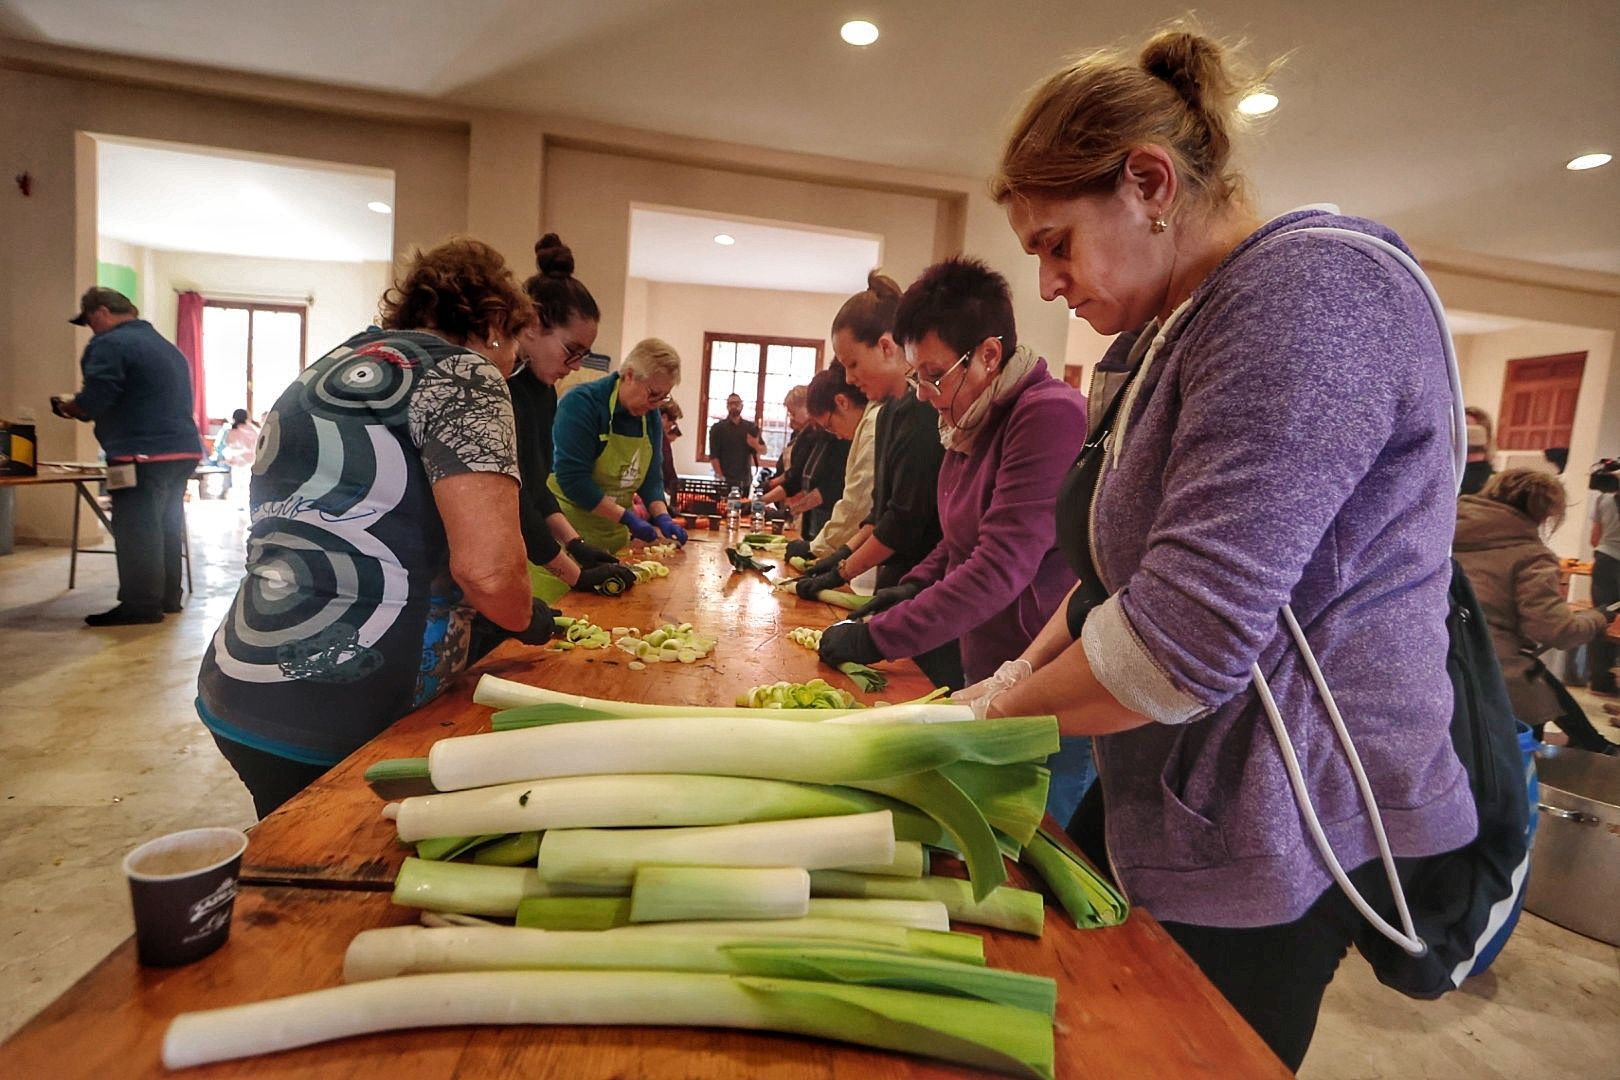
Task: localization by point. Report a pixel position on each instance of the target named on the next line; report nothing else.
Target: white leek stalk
(505, 694)
(769, 749)
(917, 914)
(1006, 908)
(610, 857)
(580, 802)
(416, 950)
(1012, 1041)
(673, 893)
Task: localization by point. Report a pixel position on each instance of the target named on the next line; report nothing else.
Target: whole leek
(764, 748)
(416, 950)
(979, 1034)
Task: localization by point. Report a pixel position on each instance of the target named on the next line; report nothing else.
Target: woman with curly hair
(384, 521)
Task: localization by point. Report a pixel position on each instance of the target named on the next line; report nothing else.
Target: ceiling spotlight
(724, 239)
(1257, 104)
(379, 207)
(1588, 161)
(858, 32)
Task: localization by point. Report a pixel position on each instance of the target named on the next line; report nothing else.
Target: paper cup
(183, 889)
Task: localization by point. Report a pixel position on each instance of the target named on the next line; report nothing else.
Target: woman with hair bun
(1286, 438)
(385, 529)
(555, 345)
(901, 527)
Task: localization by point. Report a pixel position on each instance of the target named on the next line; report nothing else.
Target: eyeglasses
(658, 397)
(918, 381)
(575, 354)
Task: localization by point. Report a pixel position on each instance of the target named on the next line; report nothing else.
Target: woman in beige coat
(1499, 544)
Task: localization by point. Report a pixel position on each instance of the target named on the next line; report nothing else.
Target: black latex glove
(799, 549)
(848, 641)
(811, 584)
(485, 634)
(588, 555)
(821, 566)
(538, 632)
(609, 580)
(887, 598)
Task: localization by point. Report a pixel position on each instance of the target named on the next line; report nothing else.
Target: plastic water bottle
(733, 509)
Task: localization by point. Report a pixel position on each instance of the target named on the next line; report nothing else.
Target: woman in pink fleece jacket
(1010, 432)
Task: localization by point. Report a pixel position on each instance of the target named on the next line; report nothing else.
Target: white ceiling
(679, 247)
(163, 197)
(1449, 119)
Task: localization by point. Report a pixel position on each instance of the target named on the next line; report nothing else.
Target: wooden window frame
(763, 341)
(250, 306)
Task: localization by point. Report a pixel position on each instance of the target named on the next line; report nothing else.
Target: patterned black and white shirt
(348, 617)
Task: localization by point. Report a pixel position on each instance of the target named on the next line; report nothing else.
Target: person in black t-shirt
(734, 447)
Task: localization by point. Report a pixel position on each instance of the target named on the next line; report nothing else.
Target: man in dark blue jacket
(137, 390)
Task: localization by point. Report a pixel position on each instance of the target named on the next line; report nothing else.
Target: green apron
(619, 471)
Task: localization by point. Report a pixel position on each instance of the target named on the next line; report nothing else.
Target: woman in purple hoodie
(1285, 439)
(1010, 432)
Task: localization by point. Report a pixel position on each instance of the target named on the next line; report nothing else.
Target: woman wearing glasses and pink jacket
(1010, 432)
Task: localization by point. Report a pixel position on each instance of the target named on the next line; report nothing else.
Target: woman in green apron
(605, 452)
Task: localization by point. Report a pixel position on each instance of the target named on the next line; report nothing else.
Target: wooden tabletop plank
(332, 833)
(1130, 1004)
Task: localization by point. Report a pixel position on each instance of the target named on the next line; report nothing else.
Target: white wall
(1083, 349)
(1483, 359)
(682, 314)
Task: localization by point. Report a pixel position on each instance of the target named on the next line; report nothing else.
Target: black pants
(1274, 976)
(1572, 721)
(1605, 591)
(147, 521)
(269, 778)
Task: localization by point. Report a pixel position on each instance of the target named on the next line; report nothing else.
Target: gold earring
(1159, 225)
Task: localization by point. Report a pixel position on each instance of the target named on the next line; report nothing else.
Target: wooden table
(1130, 1002)
(81, 477)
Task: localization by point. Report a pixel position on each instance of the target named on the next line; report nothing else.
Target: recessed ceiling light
(724, 239)
(379, 207)
(858, 32)
(1257, 104)
(1588, 161)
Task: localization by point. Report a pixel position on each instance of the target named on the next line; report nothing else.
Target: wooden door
(1538, 401)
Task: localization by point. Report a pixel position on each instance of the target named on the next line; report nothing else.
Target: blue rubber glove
(638, 527)
(669, 528)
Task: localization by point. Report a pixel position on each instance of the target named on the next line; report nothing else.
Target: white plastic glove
(982, 693)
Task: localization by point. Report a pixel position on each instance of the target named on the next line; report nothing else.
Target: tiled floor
(100, 749)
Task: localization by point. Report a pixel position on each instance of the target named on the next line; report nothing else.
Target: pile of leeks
(749, 868)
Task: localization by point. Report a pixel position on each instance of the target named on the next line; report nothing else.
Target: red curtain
(189, 337)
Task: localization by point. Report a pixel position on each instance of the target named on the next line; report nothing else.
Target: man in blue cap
(137, 391)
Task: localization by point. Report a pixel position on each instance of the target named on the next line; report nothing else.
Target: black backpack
(1465, 903)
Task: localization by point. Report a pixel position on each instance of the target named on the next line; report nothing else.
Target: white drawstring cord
(1407, 937)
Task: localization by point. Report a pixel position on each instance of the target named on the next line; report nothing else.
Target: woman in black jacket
(559, 559)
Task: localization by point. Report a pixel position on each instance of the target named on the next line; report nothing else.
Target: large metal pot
(1575, 866)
